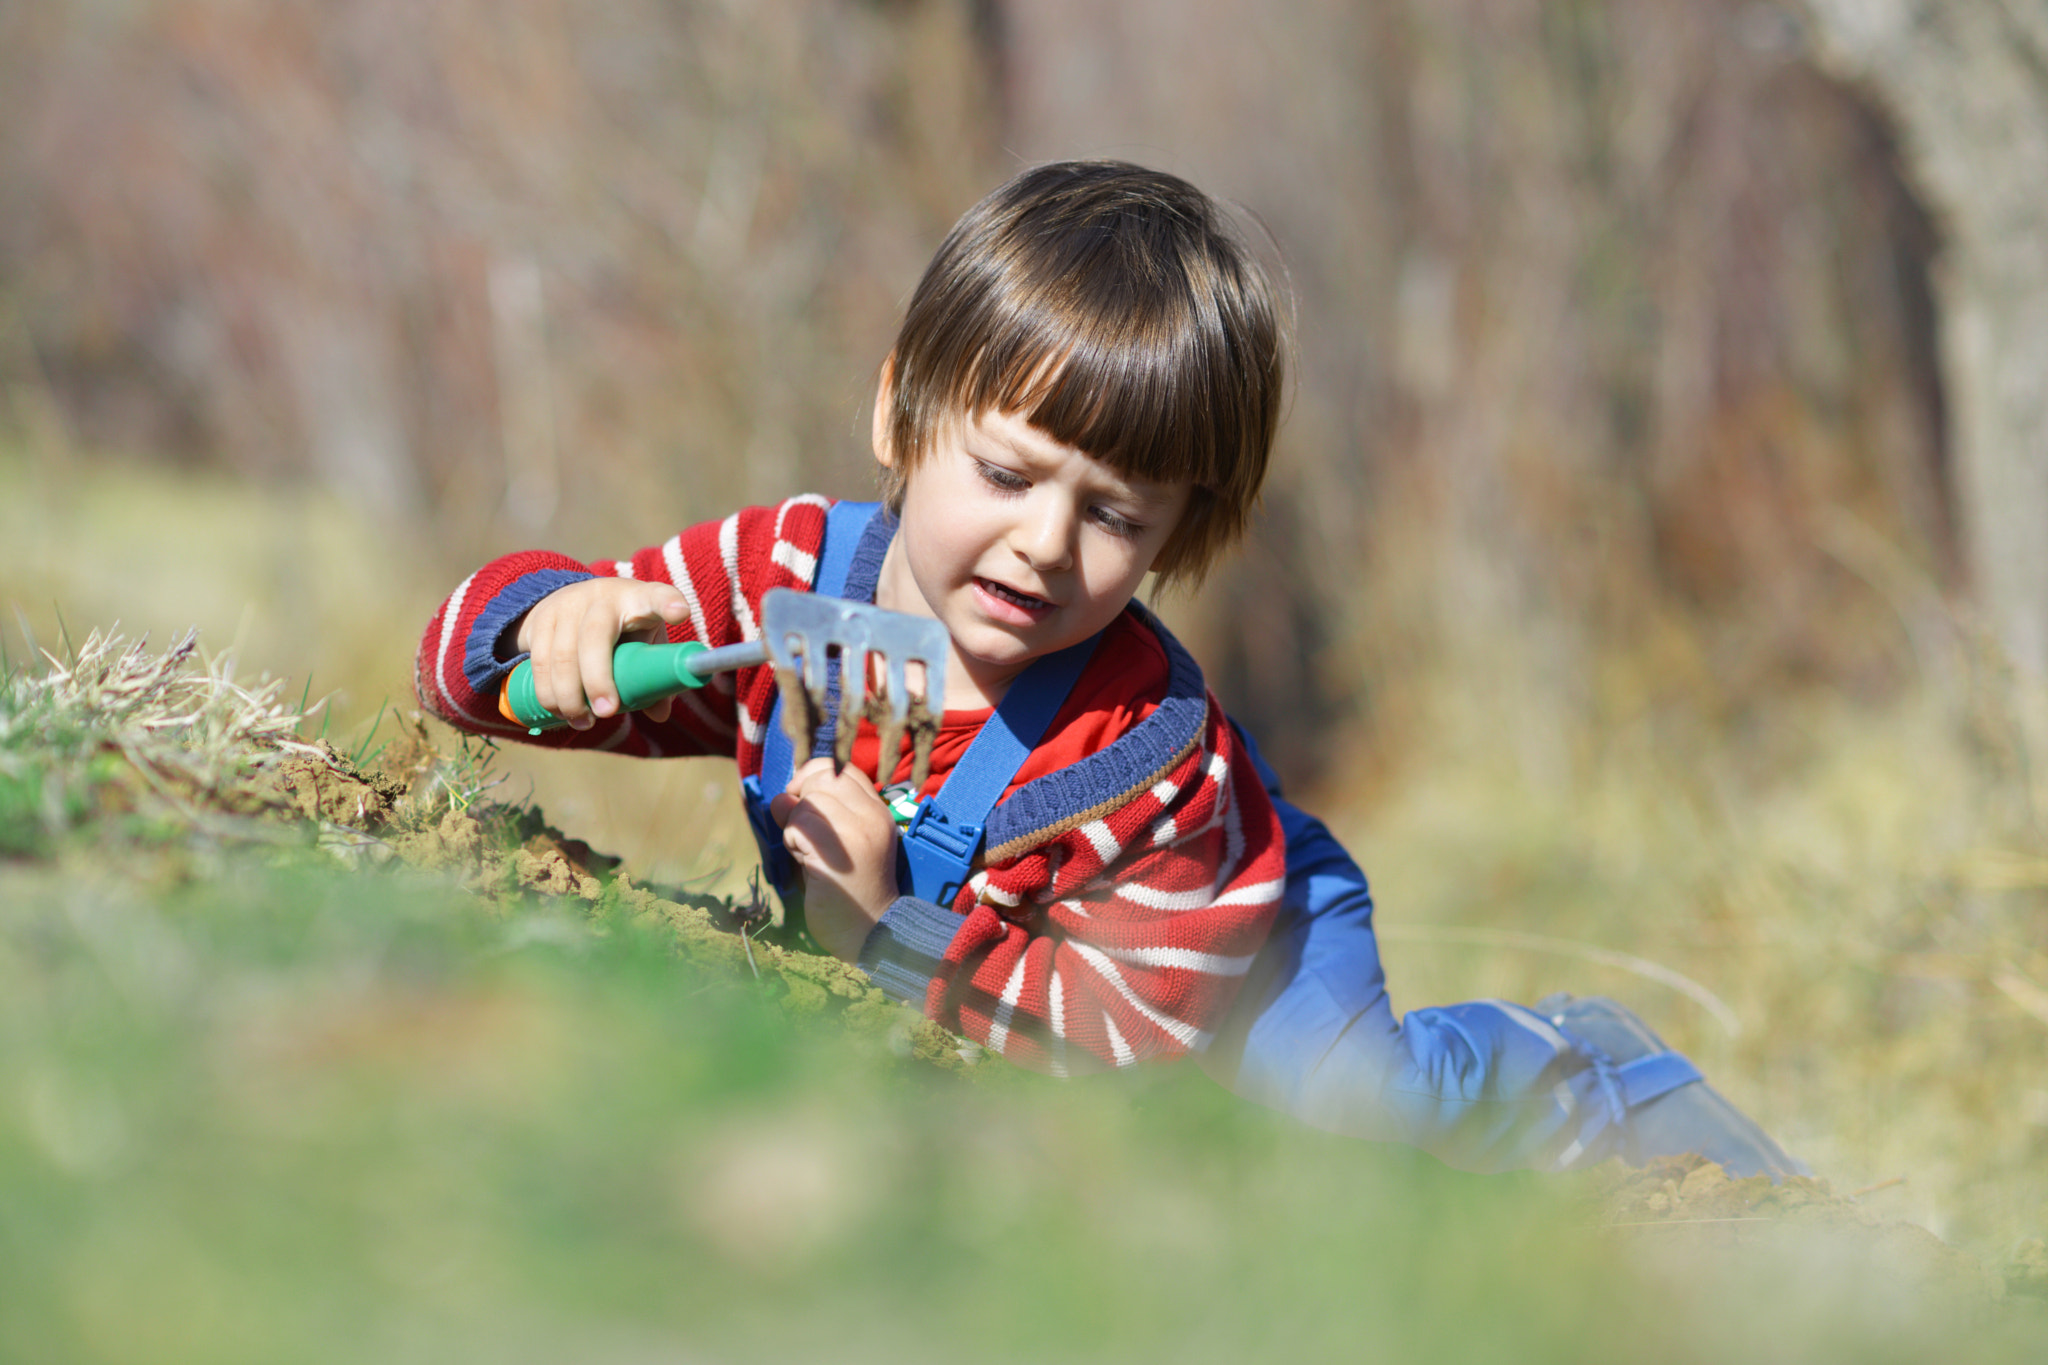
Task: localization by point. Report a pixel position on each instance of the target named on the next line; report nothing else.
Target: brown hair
(1115, 309)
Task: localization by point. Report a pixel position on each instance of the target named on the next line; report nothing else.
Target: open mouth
(1004, 593)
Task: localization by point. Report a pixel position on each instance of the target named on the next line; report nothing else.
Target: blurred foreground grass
(293, 1113)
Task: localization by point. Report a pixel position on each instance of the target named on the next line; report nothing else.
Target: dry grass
(300, 585)
(184, 732)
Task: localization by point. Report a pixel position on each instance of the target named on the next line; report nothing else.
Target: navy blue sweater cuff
(903, 951)
(489, 657)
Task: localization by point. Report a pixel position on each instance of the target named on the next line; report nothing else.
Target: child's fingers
(817, 774)
(595, 641)
(815, 794)
(557, 675)
(571, 633)
(809, 775)
(843, 838)
(841, 802)
(812, 835)
(652, 608)
(783, 804)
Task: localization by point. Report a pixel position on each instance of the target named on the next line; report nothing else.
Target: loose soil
(1688, 1213)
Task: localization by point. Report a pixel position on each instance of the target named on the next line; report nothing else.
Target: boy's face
(1019, 545)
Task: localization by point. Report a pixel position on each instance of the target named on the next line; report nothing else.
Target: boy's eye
(1115, 523)
(1004, 479)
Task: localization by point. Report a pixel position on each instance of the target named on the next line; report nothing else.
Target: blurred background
(1615, 319)
(1652, 560)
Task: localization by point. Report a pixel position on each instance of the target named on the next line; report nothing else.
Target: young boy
(1085, 388)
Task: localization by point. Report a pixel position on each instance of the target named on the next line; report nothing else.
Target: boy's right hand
(571, 632)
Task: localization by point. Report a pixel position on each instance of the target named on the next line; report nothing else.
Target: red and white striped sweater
(1123, 897)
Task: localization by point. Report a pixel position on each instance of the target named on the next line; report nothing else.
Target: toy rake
(816, 644)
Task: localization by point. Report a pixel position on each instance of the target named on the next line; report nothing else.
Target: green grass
(257, 1106)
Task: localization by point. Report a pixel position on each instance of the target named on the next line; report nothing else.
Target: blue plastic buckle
(939, 854)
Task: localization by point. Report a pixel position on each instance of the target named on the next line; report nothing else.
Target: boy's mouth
(1004, 593)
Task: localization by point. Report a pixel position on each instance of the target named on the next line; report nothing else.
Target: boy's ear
(885, 395)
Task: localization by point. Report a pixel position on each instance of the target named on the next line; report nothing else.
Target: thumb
(779, 808)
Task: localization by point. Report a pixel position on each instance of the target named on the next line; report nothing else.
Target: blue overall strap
(936, 854)
(845, 523)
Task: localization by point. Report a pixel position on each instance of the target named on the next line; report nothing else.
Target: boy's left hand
(842, 836)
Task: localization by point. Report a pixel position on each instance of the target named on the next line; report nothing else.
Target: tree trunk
(1967, 82)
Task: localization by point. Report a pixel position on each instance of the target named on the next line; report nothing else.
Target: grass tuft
(111, 728)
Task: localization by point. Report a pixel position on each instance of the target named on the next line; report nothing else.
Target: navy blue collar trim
(1108, 778)
(866, 570)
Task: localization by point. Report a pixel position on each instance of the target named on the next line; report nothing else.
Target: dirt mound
(422, 805)
(147, 756)
(1689, 1213)
(322, 787)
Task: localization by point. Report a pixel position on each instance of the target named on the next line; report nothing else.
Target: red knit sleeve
(1127, 937)
(722, 569)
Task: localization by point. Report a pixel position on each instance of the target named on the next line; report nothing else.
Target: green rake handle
(643, 673)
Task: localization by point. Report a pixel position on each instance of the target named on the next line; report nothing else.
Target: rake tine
(924, 728)
(853, 673)
(921, 719)
(799, 714)
(885, 709)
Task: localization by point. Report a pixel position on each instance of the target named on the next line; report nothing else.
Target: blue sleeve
(1324, 882)
(903, 951)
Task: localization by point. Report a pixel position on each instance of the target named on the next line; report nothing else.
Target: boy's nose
(1045, 537)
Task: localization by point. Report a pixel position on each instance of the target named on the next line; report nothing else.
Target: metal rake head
(874, 649)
